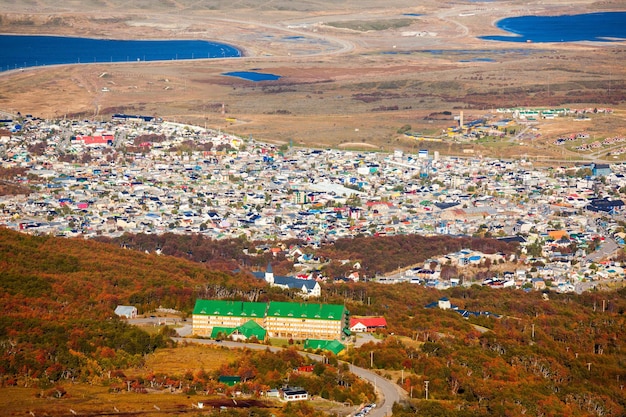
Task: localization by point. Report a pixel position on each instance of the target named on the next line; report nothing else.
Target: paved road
(157, 321)
(606, 249)
(388, 392)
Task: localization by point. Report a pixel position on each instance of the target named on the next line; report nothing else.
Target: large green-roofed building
(278, 319)
(303, 321)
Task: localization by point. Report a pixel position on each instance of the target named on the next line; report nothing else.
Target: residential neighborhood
(140, 174)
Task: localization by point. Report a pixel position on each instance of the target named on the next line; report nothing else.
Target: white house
(295, 394)
(128, 312)
(444, 303)
(308, 287)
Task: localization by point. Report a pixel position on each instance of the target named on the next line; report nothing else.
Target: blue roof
(292, 282)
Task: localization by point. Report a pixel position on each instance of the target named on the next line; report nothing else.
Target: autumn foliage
(57, 298)
(542, 355)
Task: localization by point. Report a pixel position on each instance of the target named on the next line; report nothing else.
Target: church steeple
(269, 274)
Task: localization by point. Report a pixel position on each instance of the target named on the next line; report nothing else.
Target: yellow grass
(177, 361)
(88, 399)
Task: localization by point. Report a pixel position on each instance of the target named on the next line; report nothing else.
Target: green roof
(248, 329)
(252, 329)
(229, 380)
(229, 308)
(331, 345)
(226, 331)
(306, 311)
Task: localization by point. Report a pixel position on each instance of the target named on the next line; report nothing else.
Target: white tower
(269, 274)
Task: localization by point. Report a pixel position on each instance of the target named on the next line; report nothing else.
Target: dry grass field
(96, 399)
(192, 358)
(352, 72)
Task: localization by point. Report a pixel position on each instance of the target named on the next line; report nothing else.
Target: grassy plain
(179, 360)
(97, 399)
(352, 72)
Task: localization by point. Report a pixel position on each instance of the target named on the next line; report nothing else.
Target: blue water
(253, 75)
(478, 59)
(20, 51)
(595, 27)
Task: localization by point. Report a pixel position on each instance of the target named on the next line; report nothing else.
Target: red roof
(378, 203)
(95, 140)
(369, 321)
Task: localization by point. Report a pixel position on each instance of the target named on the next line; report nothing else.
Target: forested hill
(540, 354)
(378, 255)
(77, 275)
(57, 301)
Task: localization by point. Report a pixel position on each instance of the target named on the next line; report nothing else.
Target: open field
(352, 72)
(192, 358)
(98, 399)
(93, 400)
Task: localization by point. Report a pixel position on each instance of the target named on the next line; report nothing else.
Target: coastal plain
(352, 73)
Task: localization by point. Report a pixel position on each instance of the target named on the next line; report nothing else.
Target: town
(140, 174)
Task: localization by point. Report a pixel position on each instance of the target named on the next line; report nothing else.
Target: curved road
(345, 46)
(388, 392)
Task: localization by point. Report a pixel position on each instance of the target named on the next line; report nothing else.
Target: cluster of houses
(445, 304)
(90, 178)
(553, 271)
(304, 287)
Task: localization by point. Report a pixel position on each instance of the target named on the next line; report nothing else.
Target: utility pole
(426, 388)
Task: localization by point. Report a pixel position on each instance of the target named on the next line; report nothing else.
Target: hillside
(550, 355)
(58, 298)
(536, 354)
(380, 255)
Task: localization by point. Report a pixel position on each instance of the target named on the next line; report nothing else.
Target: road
(606, 249)
(388, 392)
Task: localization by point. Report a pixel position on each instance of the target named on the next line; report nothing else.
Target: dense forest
(549, 355)
(377, 255)
(537, 354)
(57, 298)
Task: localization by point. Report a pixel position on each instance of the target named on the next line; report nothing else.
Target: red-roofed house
(104, 140)
(367, 324)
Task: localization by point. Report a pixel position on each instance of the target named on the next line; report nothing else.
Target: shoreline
(240, 53)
